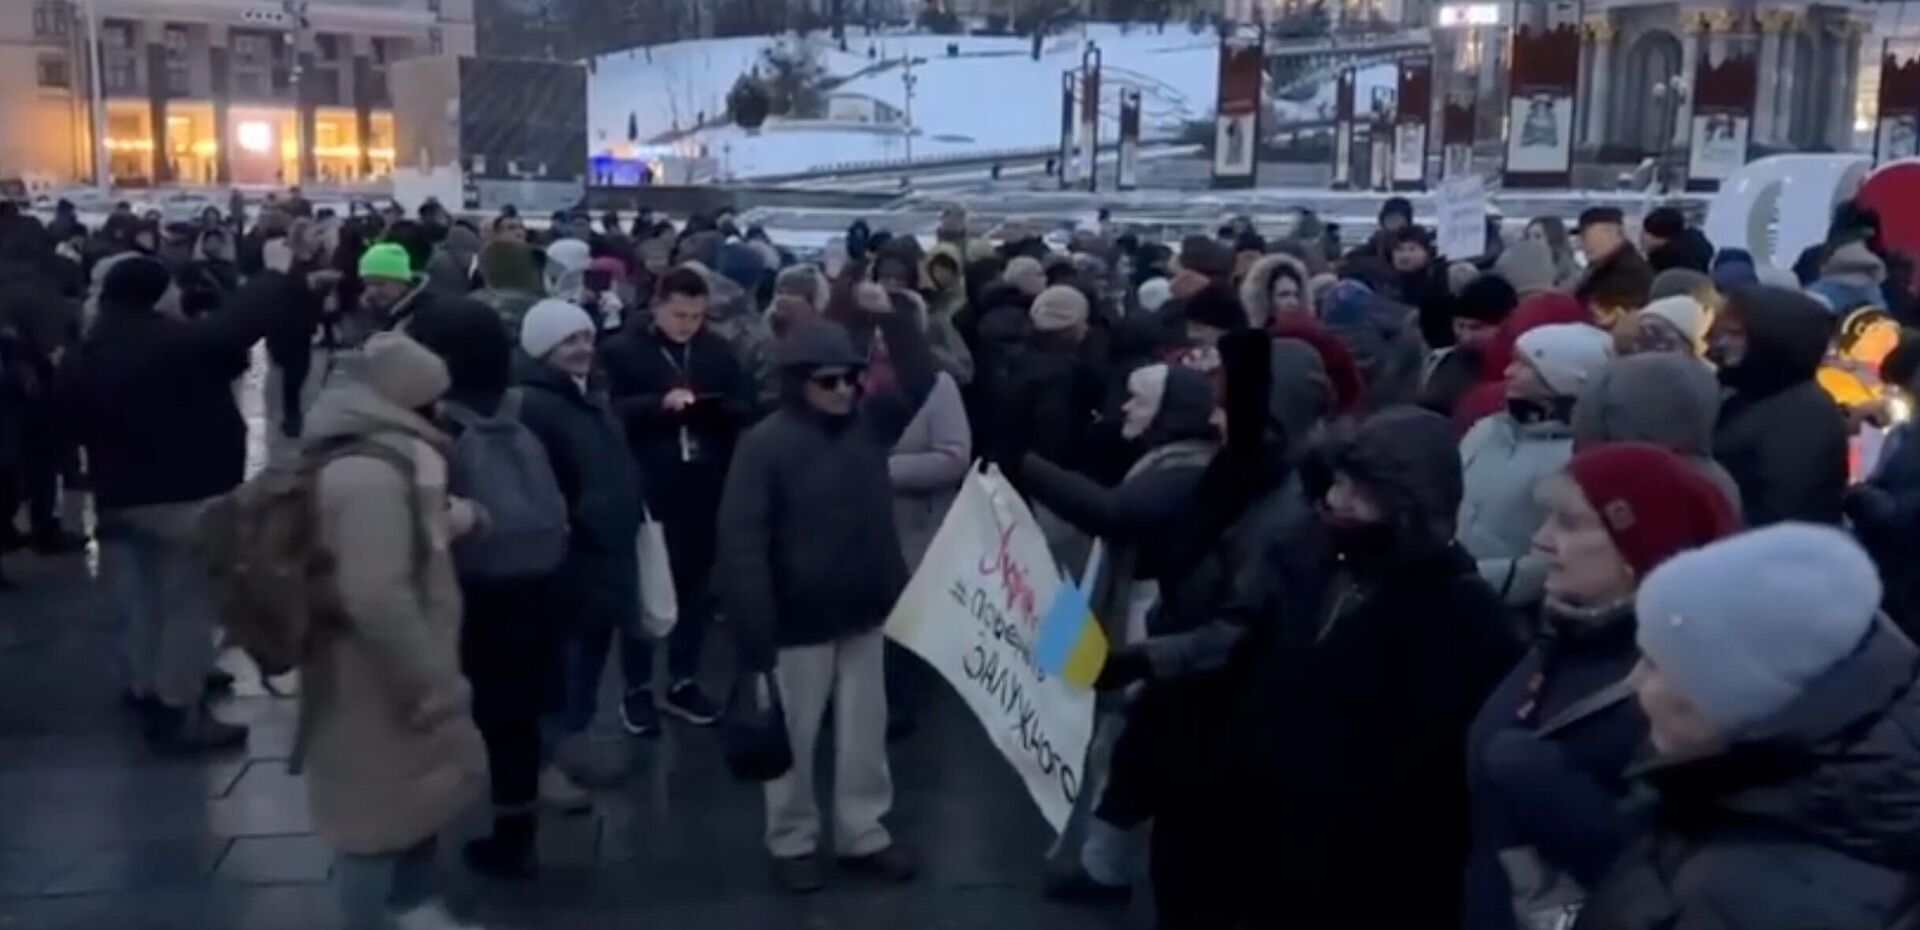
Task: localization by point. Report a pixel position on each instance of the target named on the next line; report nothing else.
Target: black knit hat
(135, 281)
(1216, 306)
(1665, 222)
(1397, 206)
(1488, 299)
(470, 337)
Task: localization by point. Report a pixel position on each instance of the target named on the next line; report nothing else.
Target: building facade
(212, 92)
(1639, 61)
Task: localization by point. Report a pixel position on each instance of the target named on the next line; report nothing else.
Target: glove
(1124, 667)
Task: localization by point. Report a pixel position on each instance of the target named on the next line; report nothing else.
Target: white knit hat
(1565, 355)
(1155, 293)
(1684, 313)
(549, 323)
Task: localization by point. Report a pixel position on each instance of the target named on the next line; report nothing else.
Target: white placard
(1462, 205)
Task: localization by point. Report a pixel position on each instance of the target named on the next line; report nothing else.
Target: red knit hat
(1652, 502)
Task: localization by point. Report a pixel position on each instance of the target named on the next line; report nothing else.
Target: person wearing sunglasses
(810, 564)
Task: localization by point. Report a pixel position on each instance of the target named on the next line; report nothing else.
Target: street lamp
(1671, 93)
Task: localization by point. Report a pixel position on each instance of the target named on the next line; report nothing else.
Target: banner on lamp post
(1410, 127)
(1726, 82)
(1544, 76)
(1090, 118)
(1236, 138)
(1896, 130)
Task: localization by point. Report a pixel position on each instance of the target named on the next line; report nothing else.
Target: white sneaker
(560, 792)
(430, 916)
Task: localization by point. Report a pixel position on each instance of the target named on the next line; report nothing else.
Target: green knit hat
(386, 261)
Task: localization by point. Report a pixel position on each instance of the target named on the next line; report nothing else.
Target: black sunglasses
(835, 382)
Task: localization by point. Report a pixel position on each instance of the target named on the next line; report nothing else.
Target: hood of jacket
(727, 299)
(1663, 398)
(462, 243)
(1256, 290)
(1787, 337)
(1407, 458)
(1299, 394)
(566, 270)
(1841, 764)
(1186, 409)
(509, 266)
(1689, 250)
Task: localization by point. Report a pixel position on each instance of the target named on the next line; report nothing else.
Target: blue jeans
(374, 888)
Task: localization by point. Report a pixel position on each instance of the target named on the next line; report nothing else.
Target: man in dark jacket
(567, 408)
(1782, 716)
(1780, 435)
(812, 566)
(1671, 243)
(1617, 279)
(1347, 710)
(684, 398)
(45, 324)
(154, 396)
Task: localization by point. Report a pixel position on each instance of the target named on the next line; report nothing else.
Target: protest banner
(990, 611)
(1462, 207)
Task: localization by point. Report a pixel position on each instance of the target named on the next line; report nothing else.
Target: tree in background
(748, 103)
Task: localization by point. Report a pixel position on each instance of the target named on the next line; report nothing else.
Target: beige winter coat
(392, 753)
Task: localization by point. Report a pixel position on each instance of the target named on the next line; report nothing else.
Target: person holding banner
(811, 565)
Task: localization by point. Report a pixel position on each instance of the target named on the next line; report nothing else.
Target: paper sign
(975, 611)
(1462, 203)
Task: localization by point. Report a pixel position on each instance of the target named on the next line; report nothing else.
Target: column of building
(1597, 79)
(1680, 89)
(1841, 40)
(1773, 27)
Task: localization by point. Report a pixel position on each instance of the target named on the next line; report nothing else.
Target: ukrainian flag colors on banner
(1071, 643)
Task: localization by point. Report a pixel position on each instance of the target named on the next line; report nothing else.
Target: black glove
(1124, 667)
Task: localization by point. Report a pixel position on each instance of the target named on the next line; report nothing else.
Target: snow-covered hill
(992, 97)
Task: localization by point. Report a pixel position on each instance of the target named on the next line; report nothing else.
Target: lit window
(254, 136)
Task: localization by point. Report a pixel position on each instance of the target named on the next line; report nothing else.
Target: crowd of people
(1536, 590)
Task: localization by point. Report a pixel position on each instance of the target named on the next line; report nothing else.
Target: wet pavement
(98, 834)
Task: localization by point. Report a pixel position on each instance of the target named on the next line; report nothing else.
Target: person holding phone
(684, 398)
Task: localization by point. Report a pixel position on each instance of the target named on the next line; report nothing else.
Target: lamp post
(908, 79)
(1671, 93)
(97, 100)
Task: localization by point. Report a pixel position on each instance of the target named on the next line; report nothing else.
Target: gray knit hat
(1742, 626)
(1528, 266)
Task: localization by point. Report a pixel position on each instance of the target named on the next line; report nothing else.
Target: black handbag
(753, 729)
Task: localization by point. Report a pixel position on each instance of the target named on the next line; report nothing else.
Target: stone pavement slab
(96, 833)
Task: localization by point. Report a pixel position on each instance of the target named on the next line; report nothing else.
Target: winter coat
(1666, 399)
(1779, 434)
(1884, 511)
(1810, 825)
(1045, 398)
(809, 551)
(1621, 281)
(206, 284)
(595, 467)
(392, 753)
(927, 465)
(450, 270)
(1386, 343)
(1345, 721)
(684, 455)
(1505, 460)
(1689, 250)
(1159, 487)
(1554, 794)
(154, 397)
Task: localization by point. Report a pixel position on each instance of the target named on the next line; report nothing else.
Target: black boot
(508, 853)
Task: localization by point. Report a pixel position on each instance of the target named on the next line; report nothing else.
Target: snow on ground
(994, 97)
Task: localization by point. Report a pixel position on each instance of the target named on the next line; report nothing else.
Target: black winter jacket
(1813, 824)
(153, 396)
(1779, 435)
(642, 367)
(808, 548)
(595, 468)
